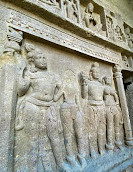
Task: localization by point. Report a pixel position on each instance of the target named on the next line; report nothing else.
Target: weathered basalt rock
(63, 104)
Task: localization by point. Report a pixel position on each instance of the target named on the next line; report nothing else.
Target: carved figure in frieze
(110, 28)
(50, 2)
(89, 18)
(113, 115)
(129, 38)
(72, 122)
(119, 35)
(72, 9)
(92, 90)
(125, 61)
(37, 139)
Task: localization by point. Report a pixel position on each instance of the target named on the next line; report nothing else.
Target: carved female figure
(113, 115)
(72, 121)
(37, 141)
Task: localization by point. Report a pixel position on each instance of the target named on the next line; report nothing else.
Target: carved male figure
(119, 36)
(129, 37)
(37, 143)
(92, 89)
(113, 115)
(71, 9)
(89, 18)
(110, 27)
(50, 2)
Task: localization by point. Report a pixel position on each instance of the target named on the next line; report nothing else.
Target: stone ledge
(68, 24)
(112, 162)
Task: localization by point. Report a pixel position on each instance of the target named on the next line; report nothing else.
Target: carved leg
(78, 126)
(117, 130)
(110, 126)
(92, 130)
(69, 12)
(67, 123)
(101, 129)
(87, 22)
(52, 131)
(26, 144)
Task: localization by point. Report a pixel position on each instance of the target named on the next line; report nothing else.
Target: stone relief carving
(127, 62)
(50, 2)
(72, 10)
(119, 35)
(113, 115)
(93, 89)
(37, 141)
(110, 28)
(129, 37)
(90, 19)
(30, 25)
(12, 47)
(37, 137)
(72, 122)
(115, 28)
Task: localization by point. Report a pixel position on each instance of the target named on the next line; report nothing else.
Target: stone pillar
(8, 98)
(129, 96)
(123, 103)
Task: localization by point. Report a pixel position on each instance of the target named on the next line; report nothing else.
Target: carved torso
(43, 86)
(95, 92)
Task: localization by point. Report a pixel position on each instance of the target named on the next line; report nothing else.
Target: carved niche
(71, 10)
(93, 17)
(129, 36)
(52, 3)
(115, 28)
(127, 62)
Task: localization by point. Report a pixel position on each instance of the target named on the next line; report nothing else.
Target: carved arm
(58, 92)
(22, 86)
(84, 85)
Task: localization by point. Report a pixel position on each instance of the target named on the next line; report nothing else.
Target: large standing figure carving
(92, 90)
(37, 139)
(113, 115)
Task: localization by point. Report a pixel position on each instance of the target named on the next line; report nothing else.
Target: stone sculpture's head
(118, 29)
(36, 57)
(127, 30)
(95, 71)
(90, 8)
(107, 80)
(40, 60)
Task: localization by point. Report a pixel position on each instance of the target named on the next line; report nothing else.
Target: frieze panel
(90, 16)
(93, 17)
(35, 27)
(127, 62)
(129, 36)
